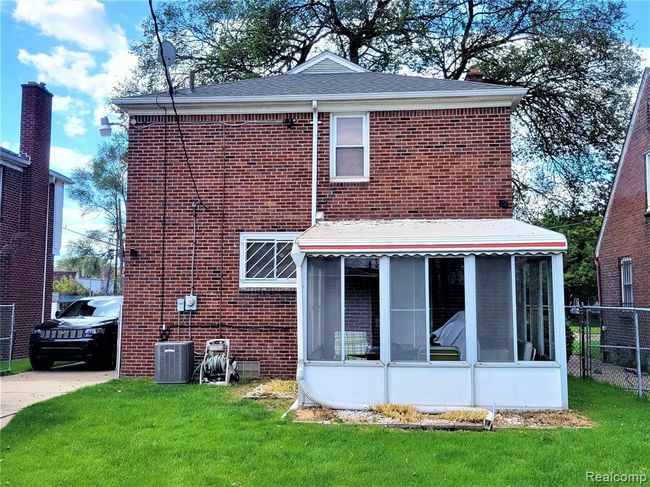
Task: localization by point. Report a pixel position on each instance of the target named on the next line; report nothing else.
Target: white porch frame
(468, 383)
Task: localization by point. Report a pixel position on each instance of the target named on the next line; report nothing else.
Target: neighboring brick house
(385, 148)
(31, 201)
(623, 249)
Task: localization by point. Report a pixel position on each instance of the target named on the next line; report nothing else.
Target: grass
(401, 412)
(17, 366)
(133, 432)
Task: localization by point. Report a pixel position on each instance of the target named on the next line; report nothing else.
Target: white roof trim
(14, 161)
(630, 129)
(408, 237)
(327, 56)
(60, 177)
(203, 100)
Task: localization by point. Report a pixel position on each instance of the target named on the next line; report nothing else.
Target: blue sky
(79, 48)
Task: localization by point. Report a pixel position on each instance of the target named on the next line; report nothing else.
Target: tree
(581, 231)
(571, 55)
(100, 188)
(68, 285)
(88, 255)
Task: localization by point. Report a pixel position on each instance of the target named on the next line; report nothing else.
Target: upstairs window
(349, 148)
(265, 260)
(627, 298)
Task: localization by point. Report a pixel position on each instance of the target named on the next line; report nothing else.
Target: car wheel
(40, 363)
(101, 364)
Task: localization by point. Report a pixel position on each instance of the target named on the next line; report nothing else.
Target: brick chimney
(474, 74)
(35, 135)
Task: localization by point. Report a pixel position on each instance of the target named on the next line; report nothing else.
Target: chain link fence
(612, 345)
(7, 313)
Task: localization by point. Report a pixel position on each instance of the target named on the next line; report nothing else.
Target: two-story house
(31, 210)
(350, 228)
(623, 248)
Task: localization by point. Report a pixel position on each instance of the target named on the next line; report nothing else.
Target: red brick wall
(256, 177)
(627, 229)
(25, 203)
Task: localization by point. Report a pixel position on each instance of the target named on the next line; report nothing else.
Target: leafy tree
(100, 188)
(89, 255)
(68, 285)
(572, 57)
(581, 231)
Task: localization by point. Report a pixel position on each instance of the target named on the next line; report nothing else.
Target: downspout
(314, 160)
(598, 290)
(45, 259)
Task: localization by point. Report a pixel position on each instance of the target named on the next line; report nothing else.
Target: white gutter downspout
(314, 160)
(47, 235)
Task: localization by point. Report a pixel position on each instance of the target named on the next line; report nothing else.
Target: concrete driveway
(21, 390)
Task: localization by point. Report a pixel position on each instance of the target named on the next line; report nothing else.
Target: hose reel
(217, 367)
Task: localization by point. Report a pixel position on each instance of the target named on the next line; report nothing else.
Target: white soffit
(430, 237)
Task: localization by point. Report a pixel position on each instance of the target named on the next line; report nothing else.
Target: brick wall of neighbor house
(256, 177)
(627, 231)
(24, 207)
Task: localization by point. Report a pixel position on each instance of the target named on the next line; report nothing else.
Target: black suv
(86, 330)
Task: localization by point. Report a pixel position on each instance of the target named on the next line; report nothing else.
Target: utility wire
(170, 87)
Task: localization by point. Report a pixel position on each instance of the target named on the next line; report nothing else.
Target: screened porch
(431, 313)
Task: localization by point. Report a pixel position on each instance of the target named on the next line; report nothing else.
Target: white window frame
(622, 263)
(366, 148)
(647, 181)
(273, 237)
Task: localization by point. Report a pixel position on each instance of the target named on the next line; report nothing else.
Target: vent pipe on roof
(192, 79)
(474, 74)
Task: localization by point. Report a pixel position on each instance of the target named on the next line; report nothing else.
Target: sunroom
(436, 313)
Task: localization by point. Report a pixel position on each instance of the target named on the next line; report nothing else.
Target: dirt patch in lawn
(397, 416)
(542, 419)
(273, 389)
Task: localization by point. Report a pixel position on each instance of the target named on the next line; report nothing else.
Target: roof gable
(327, 63)
(645, 85)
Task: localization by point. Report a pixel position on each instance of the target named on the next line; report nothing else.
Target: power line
(170, 87)
(88, 236)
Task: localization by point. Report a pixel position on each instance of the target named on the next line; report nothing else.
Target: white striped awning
(428, 237)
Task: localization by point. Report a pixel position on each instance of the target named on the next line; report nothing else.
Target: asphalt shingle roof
(330, 84)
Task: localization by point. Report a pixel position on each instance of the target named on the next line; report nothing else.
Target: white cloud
(74, 126)
(64, 160)
(14, 147)
(104, 58)
(83, 22)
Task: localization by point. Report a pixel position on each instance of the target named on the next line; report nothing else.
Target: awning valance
(413, 237)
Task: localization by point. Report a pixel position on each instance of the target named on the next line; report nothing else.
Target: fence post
(588, 345)
(583, 352)
(637, 340)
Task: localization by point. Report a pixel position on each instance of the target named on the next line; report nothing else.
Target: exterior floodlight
(105, 129)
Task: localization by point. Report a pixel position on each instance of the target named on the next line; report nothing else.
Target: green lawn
(132, 432)
(17, 366)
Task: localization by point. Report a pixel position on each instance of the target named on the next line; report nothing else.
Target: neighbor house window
(627, 298)
(349, 148)
(265, 260)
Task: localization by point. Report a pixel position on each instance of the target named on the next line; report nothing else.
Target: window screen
(494, 309)
(323, 308)
(361, 309)
(535, 330)
(408, 324)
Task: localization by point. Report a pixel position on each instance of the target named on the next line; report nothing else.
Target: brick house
(31, 204)
(623, 249)
(316, 187)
